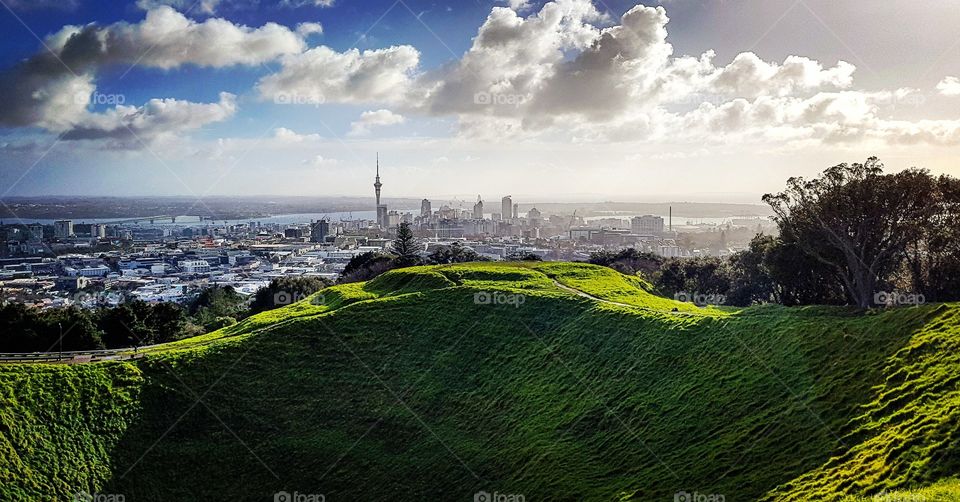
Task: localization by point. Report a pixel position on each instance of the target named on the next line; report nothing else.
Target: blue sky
(702, 99)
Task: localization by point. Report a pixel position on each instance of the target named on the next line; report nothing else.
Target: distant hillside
(554, 381)
(218, 207)
(680, 209)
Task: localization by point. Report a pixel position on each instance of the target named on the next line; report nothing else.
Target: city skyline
(468, 95)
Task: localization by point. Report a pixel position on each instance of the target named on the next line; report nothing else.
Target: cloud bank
(565, 72)
(53, 89)
(569, 72)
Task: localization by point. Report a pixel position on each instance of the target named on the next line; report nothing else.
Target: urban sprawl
(160, 260)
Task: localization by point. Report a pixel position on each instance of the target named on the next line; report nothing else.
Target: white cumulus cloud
(376, 118)
(949, 86)
(131, 126)
(383, 75)
(49, 89)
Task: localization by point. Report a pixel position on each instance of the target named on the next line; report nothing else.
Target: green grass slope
(439, 382)
(941, 491)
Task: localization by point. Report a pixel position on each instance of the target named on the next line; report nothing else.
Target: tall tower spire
(383, 221)
(376, 183)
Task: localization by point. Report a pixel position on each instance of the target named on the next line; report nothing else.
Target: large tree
(406, 247)
(856, 220)
(698, 276)
(454, 253)
(628, 261)
(750, 279)
(366, 266)
(215, 302)
(933, 255)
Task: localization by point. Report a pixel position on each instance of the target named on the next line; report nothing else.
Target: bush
(286, 290)
(366, 266)
(628, 261)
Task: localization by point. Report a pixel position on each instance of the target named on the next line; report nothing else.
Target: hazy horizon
(706, 198)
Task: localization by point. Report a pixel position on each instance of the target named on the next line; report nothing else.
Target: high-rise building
(98, 231)
(516, 211)
(506, 208)
(319, 230)
(447, 213)
(383, 216)
(393, 219)
(36, 233)
(534, 217)
(63, 229)
(425, 208)
(478, 209)
(647, 225)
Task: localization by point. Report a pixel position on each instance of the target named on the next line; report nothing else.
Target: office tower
(534, 217)
(36, 233)
(63, 229)
(319, 230)
(647, 225)
(478, 209)
(506, 208)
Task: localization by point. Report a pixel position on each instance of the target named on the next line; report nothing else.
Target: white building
(63, 229)
(194, 266)
(98, 271)
(98, 231)
(647, 225)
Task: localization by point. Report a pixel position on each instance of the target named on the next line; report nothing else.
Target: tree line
(851, 236)
(137, 323)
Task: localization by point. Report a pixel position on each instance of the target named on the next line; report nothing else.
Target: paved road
(73, 357)
(597, 299)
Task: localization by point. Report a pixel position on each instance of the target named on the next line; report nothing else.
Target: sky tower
(383, 221)
(376, 183)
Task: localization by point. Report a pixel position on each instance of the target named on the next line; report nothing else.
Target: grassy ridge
(946, 490)
(405, 387)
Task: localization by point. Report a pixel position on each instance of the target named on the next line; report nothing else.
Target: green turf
(409, 387)
(941, 491)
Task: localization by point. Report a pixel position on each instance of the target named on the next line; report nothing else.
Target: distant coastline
(243, 208)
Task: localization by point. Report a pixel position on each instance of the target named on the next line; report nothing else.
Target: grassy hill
(555, 381)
